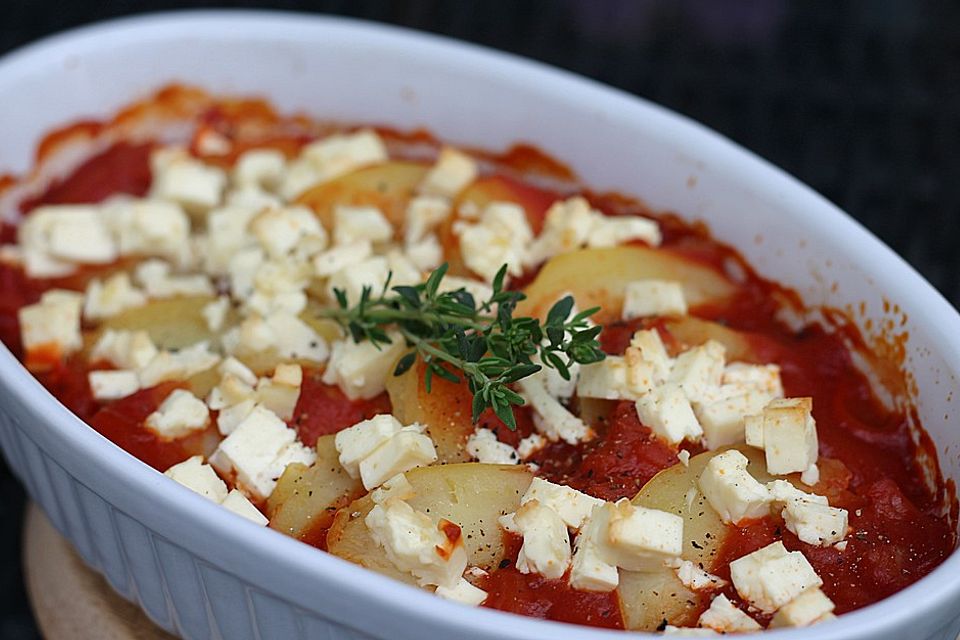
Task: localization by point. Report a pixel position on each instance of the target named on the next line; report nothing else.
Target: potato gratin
(638, 441)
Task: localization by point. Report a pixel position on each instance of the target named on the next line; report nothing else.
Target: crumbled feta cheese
(54, 236)
(52, 325)
(808, 515)
(464, 593)
(530, 445)
(281, 392)
(215, 313)
(124, 349)
(262, 168)
(690, 632)
(357, 442)
(643, 298)
(250, 196)
(105, 299)
(772, 576)
(761, 377)
(787, 433)
(566, 227)
(590, 569)
(156, 279)
(340, 154)
(546, 543)
(453, 171)
(550, 417)
(423, 215)
(722, 419)
(405, 450)
(730, 489)
(648, 345)
(611, 379)
(483, 446)
(338, 258)
(426, 254)
(402, 270)
(722, 616)
(258, 450)
(369, 274)
(432, 552)
(396, 487)
(810, 475)
(149, 228)
(284, 332)
(112, 385)
(240, 505)
(178, 177)
(667, 411)
(178, 365)
(684, 457)
(180, 414)
(699, 370)
(231, 416)
(610, 231)
(500, 237)
(282, 230)
(573, 506)
(696, 579)
(227, 235)
(199, 478)
(808, 608)
(361, 369)
(640, 539)
(358, 224)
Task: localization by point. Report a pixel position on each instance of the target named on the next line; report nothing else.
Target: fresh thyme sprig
(457, 336)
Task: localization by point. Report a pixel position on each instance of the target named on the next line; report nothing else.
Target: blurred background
(859, 99)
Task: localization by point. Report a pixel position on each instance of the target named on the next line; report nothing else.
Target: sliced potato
(598, 277)
(445, 411)
(472, 495)
(386, 186)
(306, 498)
(694, 331)
(646, 599)
(173, 323)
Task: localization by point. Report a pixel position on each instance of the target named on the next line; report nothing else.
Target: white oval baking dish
(202, 573)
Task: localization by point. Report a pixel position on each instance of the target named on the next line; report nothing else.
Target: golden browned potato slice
(646, 599)
(445, 411)
(598, 277)
(472, 495)
(173, 323)
(386, 186)
(306, 498)
(694, 331)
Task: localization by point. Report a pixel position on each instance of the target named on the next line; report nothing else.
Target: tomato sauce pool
(868, 458)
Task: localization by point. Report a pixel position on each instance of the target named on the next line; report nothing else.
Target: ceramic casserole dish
(200, 574)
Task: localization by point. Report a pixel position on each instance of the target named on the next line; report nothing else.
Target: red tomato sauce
(868, 457)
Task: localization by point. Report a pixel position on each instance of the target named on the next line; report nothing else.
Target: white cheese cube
(566, 227)
(423, 215)
(699, 370)
(157, 281)
(810, 475)
(610, 231)
(722, 616)
(149, 228)
(483, 446)
(696, 579)
(643, 298)
(396, 487)
(641, 539)
(546, 543)
(789, 435)
(359, 441)
(230, 417)
(52, 326)
(260, 167)
(722, 419)
(500, 238)
(180, 414)
(573, 506)
(690, 632)
(281, 230)
(240, 505)
(648, 344)
(608, 379)
(199, 478)
(426, 254)
(227, 235)
(340, 154)
(762, 377)
(38, 264)
(404, 451)
(402, 270)
(771, 577)
(550, 417)
(753, 430)
(432, 552)
(338, 258)
(251, 449)
(730, 489)
(105, 299)
(178, 365)
(358, 224)
(464, 593)
(589, 571)
(450, 175)
(816, 524)
(784, 492)
(360, 369)
(230, 391)
(281, 393)
(112, 385)
(215, 313)
(808, 608)
(67, 234)
(371, 273)
(252, 197)
(667, 412)
(124, 349)
(178, 177)
(531, 445)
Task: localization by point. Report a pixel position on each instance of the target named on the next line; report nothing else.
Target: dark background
(861, 100)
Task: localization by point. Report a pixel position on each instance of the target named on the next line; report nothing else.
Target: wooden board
(71, 601)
